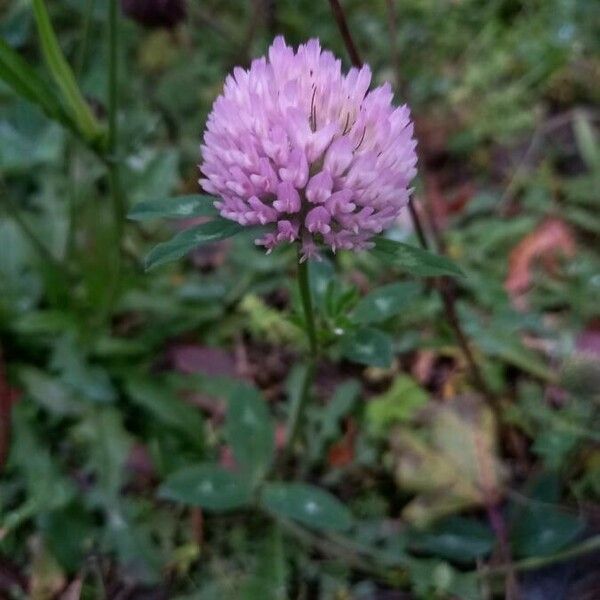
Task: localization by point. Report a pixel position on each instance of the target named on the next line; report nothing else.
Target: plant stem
(297, 410)
(112, 157)
(442, 284)
(113, 57)
(340, 19)
(305, 296)
(85, 34)
(365, 558)
(538, 562)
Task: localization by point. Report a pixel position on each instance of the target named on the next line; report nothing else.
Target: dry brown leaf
(551, 239)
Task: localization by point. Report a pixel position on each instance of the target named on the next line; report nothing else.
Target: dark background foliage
(113, 379)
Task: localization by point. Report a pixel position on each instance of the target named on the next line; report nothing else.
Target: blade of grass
(23, 79)
(64, 78)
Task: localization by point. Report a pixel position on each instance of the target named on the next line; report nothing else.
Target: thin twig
(340, 17)
(538, 562)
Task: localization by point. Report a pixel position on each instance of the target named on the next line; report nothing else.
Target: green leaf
(187, 240)
(543, 529)
(398, 404)
(50, 392)
(416, 261)
(16, 73)
(586, 140)
(385, 302)
(268, 580)
(538, 526)
(457, 538)
(107, 447)
(63, 75)
(207, 486)
(306, 504)
(368, 347)
(179, 207)
(163, 404)
(250, 432)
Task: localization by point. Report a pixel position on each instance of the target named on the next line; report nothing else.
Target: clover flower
(295, 145)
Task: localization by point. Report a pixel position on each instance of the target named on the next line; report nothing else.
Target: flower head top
(294, 144)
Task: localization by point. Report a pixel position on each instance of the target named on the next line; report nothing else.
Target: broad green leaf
(385, 302)
(179, 207)
(398, 405)
(416, 261)
(306, 504)
(186, 241)
(132, 536)
(457, 538)
(543, 529)
(68, 531)
(17, 73)
(207, 486)
(63, 75)
(250, 432)
(368, 347)
(538, 525)
(166, 407)
(50, 392)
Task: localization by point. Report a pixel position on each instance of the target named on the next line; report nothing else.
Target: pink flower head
(295, 145)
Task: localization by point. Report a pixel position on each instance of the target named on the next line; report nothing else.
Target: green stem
(369, 559)
(537, 562)
(112, 158)
(113, 165)
(297, 410)
(85, 34)
(305, 296)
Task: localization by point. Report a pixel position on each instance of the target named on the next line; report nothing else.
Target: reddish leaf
(192, 358)
(341, 454)
(550, 239)
(280, 436)
(588, 341)
(8, 397)
(443, 203)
